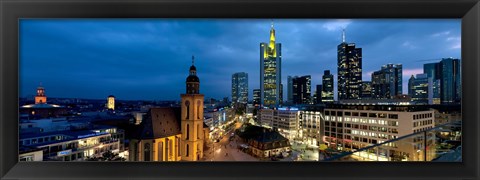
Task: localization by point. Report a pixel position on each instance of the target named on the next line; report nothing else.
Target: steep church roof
(159, 123)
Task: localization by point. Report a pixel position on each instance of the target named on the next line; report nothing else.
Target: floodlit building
(285, 120)
(311, 127)
(264, 142)
(351, 127)
(173, 134)
(111, 102)
(41, 109)
(271, 72)
(40, 98)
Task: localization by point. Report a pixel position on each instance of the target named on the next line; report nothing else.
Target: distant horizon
(148, 60)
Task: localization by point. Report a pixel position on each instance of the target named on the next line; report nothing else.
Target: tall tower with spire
(349, 69)
(270, 72)
(192, 118)
(40, 98)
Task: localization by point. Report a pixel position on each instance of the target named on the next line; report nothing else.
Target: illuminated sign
(63, 153)
(288, 109)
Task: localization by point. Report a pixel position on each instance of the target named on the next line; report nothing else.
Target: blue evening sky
(148, 59)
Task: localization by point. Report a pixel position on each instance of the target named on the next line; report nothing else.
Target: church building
(173, 133)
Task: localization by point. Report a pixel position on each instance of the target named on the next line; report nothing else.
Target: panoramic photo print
(240, 90)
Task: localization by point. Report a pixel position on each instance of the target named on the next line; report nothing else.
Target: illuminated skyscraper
(421, 89)
(240, 87)
(270, 72)
(327, 85)
(387, 82)
(366, 90)
(349, 70)
(256, 97)
(302, 90)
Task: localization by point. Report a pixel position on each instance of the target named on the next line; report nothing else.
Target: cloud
(444, 33)
(337, 24)
(409, 45)
(149, 59)
(456, 40)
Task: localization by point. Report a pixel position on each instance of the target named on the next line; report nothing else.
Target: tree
(107, 156)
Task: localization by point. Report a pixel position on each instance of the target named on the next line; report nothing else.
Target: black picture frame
(12, 10)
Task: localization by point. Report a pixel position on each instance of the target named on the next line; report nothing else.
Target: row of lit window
(361, 114)
(361, 120)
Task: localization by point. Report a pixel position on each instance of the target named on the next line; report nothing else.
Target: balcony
(439, 144)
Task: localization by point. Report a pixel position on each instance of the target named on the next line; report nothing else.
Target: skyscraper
(318, 93)
(240, 87)
(270, 72)
(387, 82)
(421, 89)
(327, 85)
(411, 89)
(289, 89)
(450, 81)
(256, 97)
(302, 89)
(446, 80)
(366, 90)
(349, 70)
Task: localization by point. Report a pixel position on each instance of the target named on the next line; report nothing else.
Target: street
(226, 150)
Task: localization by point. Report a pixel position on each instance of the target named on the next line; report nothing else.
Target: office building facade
(240, 87)
(327, 85)
(256, 97)
(446, 80)
(349, 128)
(366, 90)
(301, 88)
(270, 72)
(349, 68)
(421, 88)
(387, 82)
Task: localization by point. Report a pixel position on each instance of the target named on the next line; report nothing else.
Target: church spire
(193, 82)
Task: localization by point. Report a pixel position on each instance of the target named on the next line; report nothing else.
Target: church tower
(111, 102)
(40, 98)
(192, 118)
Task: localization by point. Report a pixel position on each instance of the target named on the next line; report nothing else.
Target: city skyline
(137, 59)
